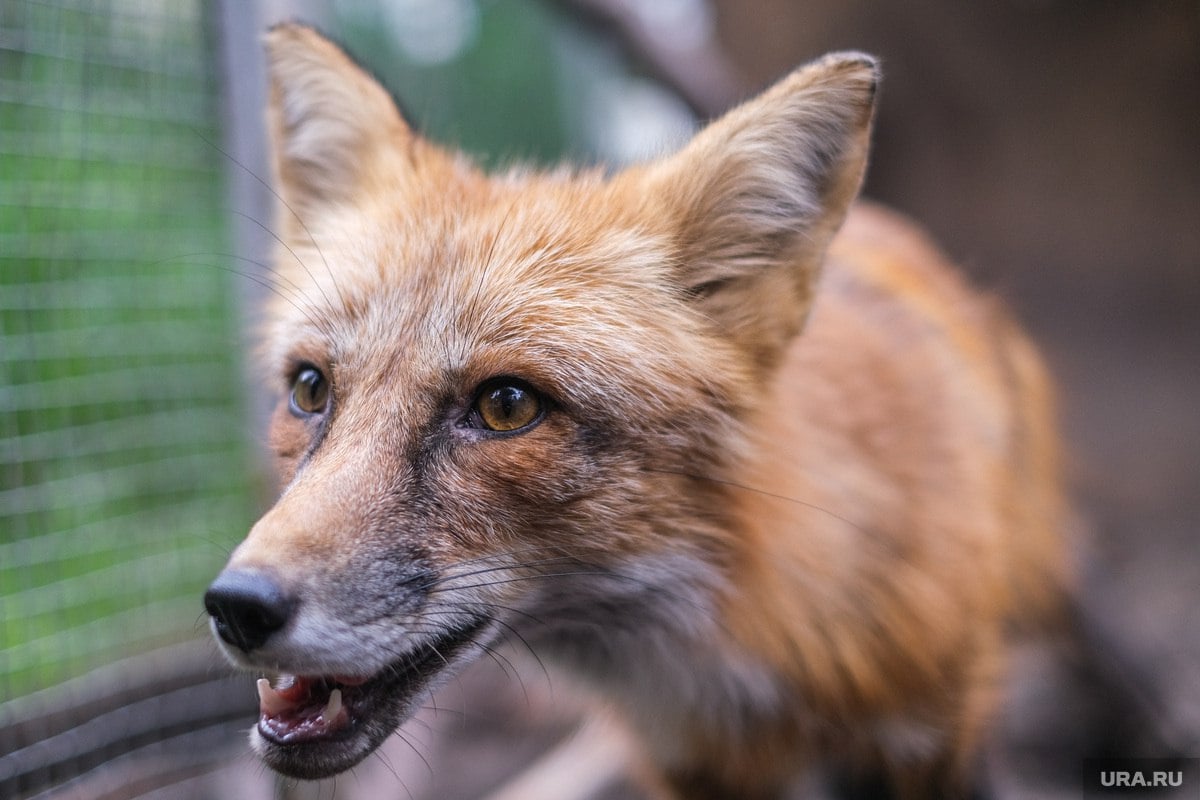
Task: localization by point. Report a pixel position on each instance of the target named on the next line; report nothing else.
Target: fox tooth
(270, 701)
(332, 708)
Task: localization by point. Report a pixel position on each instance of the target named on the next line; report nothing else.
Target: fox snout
(284, 600)
(342, 662)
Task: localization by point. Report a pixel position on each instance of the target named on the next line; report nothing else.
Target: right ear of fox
(756, 196)
(327, 118)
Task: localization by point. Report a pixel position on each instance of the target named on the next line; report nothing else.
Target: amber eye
(310, 392)
(506, 405)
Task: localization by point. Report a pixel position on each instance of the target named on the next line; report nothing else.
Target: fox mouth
(313, 726)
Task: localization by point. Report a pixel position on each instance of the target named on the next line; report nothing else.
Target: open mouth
(300, 708)
(316, 726)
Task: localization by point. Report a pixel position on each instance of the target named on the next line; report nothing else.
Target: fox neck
(647, 635)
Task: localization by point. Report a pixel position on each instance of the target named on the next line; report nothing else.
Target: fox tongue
(299, 709)
(290, 695)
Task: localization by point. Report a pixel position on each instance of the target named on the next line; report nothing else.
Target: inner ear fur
(754, 199)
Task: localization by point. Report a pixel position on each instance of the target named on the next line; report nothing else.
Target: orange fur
(787, 492)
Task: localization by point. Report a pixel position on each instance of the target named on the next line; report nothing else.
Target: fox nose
(247, 607)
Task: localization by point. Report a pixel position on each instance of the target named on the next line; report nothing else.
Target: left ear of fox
(756, 196)
(328, 119)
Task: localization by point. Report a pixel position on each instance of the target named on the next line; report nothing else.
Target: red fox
(745, 457)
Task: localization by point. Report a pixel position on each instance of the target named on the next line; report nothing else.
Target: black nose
(247, 607)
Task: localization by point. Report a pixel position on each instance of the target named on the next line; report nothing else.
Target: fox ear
(755, 198)
(328, 118)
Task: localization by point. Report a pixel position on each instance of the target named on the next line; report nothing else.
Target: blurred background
(1051, 146)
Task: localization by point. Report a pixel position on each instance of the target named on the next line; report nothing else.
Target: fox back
(775, 491)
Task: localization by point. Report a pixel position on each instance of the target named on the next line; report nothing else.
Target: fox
(735, 451)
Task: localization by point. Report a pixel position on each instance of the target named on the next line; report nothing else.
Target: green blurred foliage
(124, 469)
(497, 98)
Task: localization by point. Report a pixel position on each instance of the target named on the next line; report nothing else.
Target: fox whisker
(299, 220)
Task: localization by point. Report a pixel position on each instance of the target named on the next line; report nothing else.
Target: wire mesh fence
(123, 463)
(126, 469)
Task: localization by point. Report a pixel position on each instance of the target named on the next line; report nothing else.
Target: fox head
(508, 403)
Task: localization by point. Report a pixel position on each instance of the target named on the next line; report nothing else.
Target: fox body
(775, 491)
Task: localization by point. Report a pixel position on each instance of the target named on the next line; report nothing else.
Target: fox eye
(504, 405)
(310, 393)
